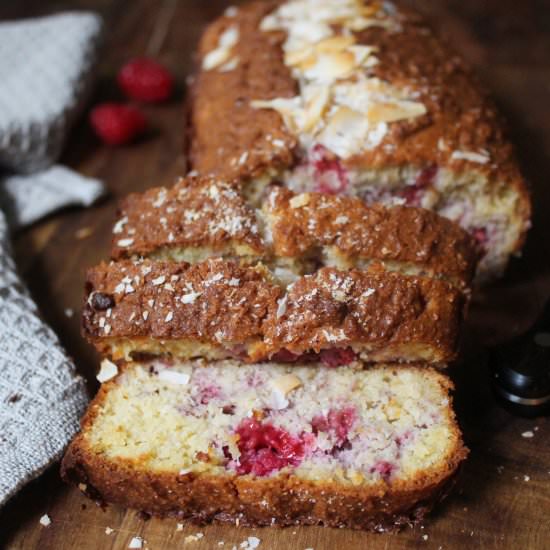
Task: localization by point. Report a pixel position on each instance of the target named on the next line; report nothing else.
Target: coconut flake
(125, 243)
(107, 371)
(174, 377)
(119, 225)
(470, 156)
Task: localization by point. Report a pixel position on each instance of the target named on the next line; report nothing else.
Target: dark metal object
(520, 370)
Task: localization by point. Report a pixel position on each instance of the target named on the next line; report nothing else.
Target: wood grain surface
(503, 498)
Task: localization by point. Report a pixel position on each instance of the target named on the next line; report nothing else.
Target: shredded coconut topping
(340, 105)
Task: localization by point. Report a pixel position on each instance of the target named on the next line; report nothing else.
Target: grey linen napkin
(46, 66)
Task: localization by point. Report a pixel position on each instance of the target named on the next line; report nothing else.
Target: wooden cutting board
(503, 497)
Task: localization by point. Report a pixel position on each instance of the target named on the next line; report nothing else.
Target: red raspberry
(143, 79)
(337, 422)
(265, 448)
(337, 357)
(117, 124)
(285, 356)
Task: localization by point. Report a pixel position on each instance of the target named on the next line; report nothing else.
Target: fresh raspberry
(117, 124)
(265, 448)
(337, 357)
(143, 79)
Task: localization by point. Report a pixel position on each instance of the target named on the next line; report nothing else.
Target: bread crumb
(179, 526)
(82, 486)
(83, 233)
(45, 520)
(108, 530)
(425, 537)
(136, 542)
(526, 478)
(69, 312)
(528, 434)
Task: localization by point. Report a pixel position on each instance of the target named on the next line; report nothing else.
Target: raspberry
(117, 124)
(413, 193)
(265, 448)
(286, 356)
(384, 468)
(143, 79)
(330, 176)
(337, 422)
(337, 357)
(480, 234)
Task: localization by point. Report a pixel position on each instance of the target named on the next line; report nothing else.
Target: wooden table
(503, 500)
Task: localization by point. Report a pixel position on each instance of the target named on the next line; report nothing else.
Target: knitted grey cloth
(46, 66)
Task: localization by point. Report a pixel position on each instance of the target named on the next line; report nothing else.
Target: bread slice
(293, 235)
(362, 100)
(196, 219)
(218, 309)
(270, 444)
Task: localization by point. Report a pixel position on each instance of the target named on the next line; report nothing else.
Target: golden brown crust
(414, 236)
(388, 315)
(213, 301)
(209, 217)
(196, 212)
(221, 100)
(414, 57)
(460, 116)
(204, 498)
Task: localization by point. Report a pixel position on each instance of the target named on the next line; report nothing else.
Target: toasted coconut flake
(222, 53)
(393, 111)
(470, 156)
(286, 383)
(107, 371)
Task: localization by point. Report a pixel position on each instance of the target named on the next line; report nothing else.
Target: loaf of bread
(270, 444)
(202, 217)
(355, 98)
(217, 309)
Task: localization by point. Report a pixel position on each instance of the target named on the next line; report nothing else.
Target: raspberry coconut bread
(361, 99)
(270, 444)
(203, 217)
(217, 309)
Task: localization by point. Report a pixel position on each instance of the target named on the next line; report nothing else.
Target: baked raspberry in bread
(293, 235)
(270, 444)
(356, 98)
(218, 309)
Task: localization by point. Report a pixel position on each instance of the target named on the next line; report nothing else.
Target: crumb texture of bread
(368, 102)
(220, 309)
(299, 444)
